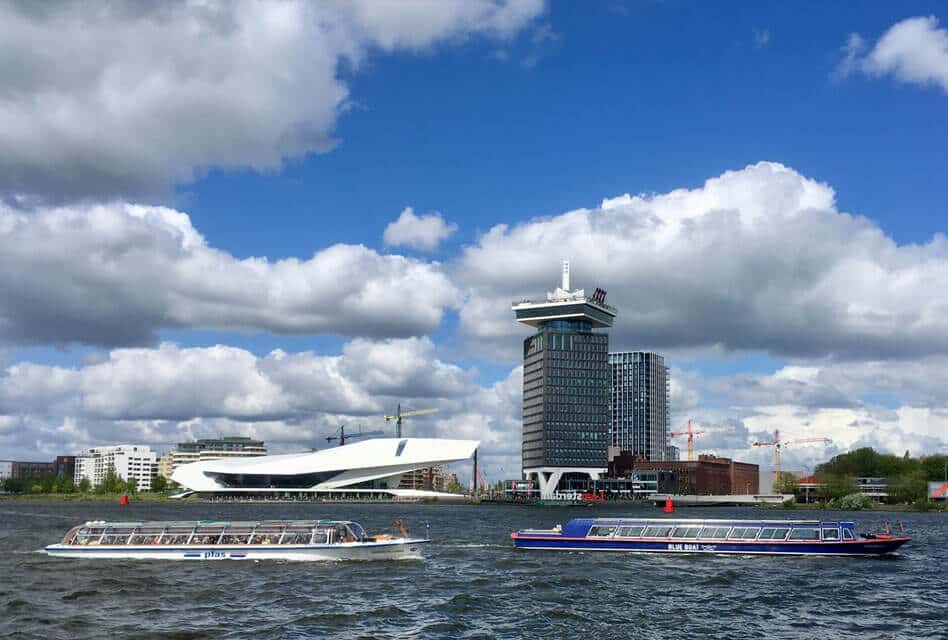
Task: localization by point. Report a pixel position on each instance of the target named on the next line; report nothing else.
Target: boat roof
(702, 521)
(217, 523)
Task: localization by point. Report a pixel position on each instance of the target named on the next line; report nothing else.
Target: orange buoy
(669, 506)
(123, 499)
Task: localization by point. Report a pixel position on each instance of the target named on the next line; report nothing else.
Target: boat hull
(871, 547)
(388, 550)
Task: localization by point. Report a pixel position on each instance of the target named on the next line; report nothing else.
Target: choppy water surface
(472, 584)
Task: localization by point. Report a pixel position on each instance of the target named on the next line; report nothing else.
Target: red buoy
(669, 506)
(123, 499)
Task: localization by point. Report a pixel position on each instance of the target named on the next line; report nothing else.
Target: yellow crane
(399, 416)
(691, 433)
(777, 443)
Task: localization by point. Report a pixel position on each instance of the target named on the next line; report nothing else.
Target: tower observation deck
(565, 387)
(564, 304)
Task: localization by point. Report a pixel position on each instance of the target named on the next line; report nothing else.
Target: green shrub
(853, 502)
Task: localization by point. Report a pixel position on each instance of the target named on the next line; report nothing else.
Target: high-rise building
(565, 386)
(216, 449)
(639, 407)
(128, 461)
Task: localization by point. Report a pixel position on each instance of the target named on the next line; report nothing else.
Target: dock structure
(719, 500)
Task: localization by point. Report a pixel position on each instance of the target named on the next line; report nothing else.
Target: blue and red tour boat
(668, 535)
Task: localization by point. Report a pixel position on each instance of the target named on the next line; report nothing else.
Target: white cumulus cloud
(117, 274)
(122, 99)
(914, 50)
(424, 232)
(758, 259)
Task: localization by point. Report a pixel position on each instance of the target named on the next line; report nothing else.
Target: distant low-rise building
(708, 475)
(877, 488)
(810, 488)
(216, 449)
(128, 460)
(429, 478)
(166, 465)
(65, 466)
(32, 469)
(61, 466)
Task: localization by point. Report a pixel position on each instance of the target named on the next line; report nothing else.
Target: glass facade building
(639, 406)
(565, 396)
(565, 387)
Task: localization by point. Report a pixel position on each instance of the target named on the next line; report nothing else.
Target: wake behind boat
(305, 540)
(776, 537)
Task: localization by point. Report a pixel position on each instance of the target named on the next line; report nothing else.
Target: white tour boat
(265, 540)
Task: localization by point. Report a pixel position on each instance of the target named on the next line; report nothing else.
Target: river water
(471, 585)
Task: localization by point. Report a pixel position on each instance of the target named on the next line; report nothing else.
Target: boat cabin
(274, 532)
(740, 530)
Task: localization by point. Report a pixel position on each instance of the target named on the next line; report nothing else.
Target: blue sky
(655, 97)
(484, 117)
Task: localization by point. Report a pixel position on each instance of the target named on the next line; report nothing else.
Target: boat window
(657, 532)
(87, 537)
(357, 530)
(686, 532)
(236, 536)
(743, 533)
(146, 535)
(342, 533)
(176, 535)
(773, 533)
(144, 538)
(267, 535)
(805, 533)
(297, 536)
(207, 534)
(114, 536)
(831, 534)
(321, 535)
(630, 532)
(715, 532)
(602, 531)
(848, 535)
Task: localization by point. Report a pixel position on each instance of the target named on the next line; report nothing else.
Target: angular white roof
(355, 463)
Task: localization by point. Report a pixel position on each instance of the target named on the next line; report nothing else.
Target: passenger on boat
(401, 529)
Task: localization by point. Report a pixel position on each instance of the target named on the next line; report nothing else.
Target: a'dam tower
(565, 386)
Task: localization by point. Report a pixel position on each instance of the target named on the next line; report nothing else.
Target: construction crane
(777, 443)
(691, 433)
(341, 434)
(399, 416)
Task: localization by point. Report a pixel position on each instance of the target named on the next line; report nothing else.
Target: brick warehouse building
(709, 475)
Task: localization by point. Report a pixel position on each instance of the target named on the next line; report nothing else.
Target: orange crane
(777, 443)
(691, 433)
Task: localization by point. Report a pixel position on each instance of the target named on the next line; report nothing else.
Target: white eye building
(365, 470)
